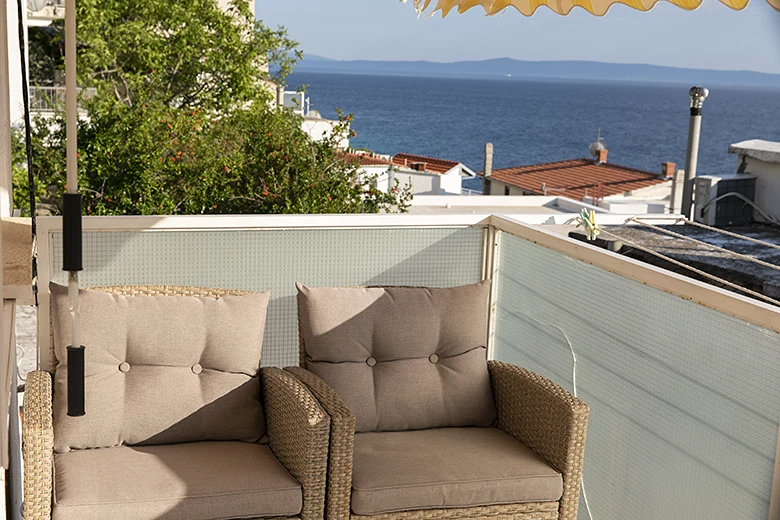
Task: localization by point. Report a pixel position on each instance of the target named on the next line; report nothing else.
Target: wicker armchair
(297, 429)
(536, 412)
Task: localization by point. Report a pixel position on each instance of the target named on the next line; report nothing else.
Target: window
(506, 190)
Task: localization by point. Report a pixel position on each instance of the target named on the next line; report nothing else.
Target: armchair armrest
(38, 446)
(548, 419)
(342, 436)
(298, 434)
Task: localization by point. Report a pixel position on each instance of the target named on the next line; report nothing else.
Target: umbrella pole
(71, 218)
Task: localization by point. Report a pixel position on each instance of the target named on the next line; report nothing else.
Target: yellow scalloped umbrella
(564, 7)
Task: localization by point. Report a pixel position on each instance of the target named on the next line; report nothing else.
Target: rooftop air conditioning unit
(713, 209)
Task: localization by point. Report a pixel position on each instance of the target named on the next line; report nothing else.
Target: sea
(531, 122)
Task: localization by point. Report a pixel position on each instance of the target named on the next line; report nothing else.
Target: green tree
(181, 122)
(183, 53)
(44, 47)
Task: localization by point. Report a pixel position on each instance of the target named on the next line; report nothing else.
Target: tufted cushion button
(124, 367)
(196, 368)
(370, 361)
(433, 358)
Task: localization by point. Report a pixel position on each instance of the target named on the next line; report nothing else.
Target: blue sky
(713, 37)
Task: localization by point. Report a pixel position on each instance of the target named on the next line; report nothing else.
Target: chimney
(602, 156)
(678, 183)
(488, 160)
(668, 169)
(488, 168)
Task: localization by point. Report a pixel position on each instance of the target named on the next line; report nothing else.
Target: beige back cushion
(401, 358)
(161, 369)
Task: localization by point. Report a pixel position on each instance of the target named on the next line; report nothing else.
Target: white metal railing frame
(45, 98)
(729, 303)
(47, 226)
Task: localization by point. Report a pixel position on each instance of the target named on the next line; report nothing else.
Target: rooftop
(510, 205)
(429, 164)
(364, 159)
(577, 178)
(766, 151)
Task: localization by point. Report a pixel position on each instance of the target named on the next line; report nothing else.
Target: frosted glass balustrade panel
(685, 400)
(258, 260)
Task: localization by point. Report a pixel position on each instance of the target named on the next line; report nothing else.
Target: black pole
(71, 230)
(72, 262)
(28, 142)
(76, 381)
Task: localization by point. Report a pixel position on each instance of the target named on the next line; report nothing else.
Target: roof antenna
(597, 146)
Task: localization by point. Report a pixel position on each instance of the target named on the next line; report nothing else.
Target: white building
(424, 175)
(429, 175)
(761, 159)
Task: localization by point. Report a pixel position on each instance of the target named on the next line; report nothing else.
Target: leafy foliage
(183, 53)
(256, 160)
(182, 124)
(46, 56)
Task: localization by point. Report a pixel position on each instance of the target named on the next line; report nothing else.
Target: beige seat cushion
(161, 369)
(195, 481)
(447, 467)
(401, 358)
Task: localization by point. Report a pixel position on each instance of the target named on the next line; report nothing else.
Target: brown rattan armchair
(534, 412)
(219, 478)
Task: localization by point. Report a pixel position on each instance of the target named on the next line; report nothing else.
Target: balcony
(46, 100)
(682, 378)
(299, 102)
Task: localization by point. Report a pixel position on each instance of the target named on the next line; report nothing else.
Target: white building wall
(421, 183)
(14, 63)
(767, 186)
(224, 4)
(499, 188)
(319, 129)
(379, 174)
(452, 183)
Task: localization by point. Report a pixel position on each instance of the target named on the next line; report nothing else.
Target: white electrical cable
(574, 388)
(770, 218)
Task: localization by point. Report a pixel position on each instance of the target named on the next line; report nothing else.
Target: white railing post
(490, 272)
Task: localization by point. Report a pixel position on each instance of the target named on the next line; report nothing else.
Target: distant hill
(512, 69)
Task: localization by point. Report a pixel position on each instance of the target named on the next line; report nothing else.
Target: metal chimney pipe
(698, 95)
(488, 168)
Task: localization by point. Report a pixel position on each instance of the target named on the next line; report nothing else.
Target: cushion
(402, 358)
(447, 467)
(196, 481)
(161, 369)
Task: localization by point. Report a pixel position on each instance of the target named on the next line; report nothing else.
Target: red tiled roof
(363, 159)
(432, 164)
(577, 178)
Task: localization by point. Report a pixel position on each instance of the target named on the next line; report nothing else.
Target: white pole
(698, 95)
(71, 133)
(8, 357)
(71, 94)
(6, 191)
